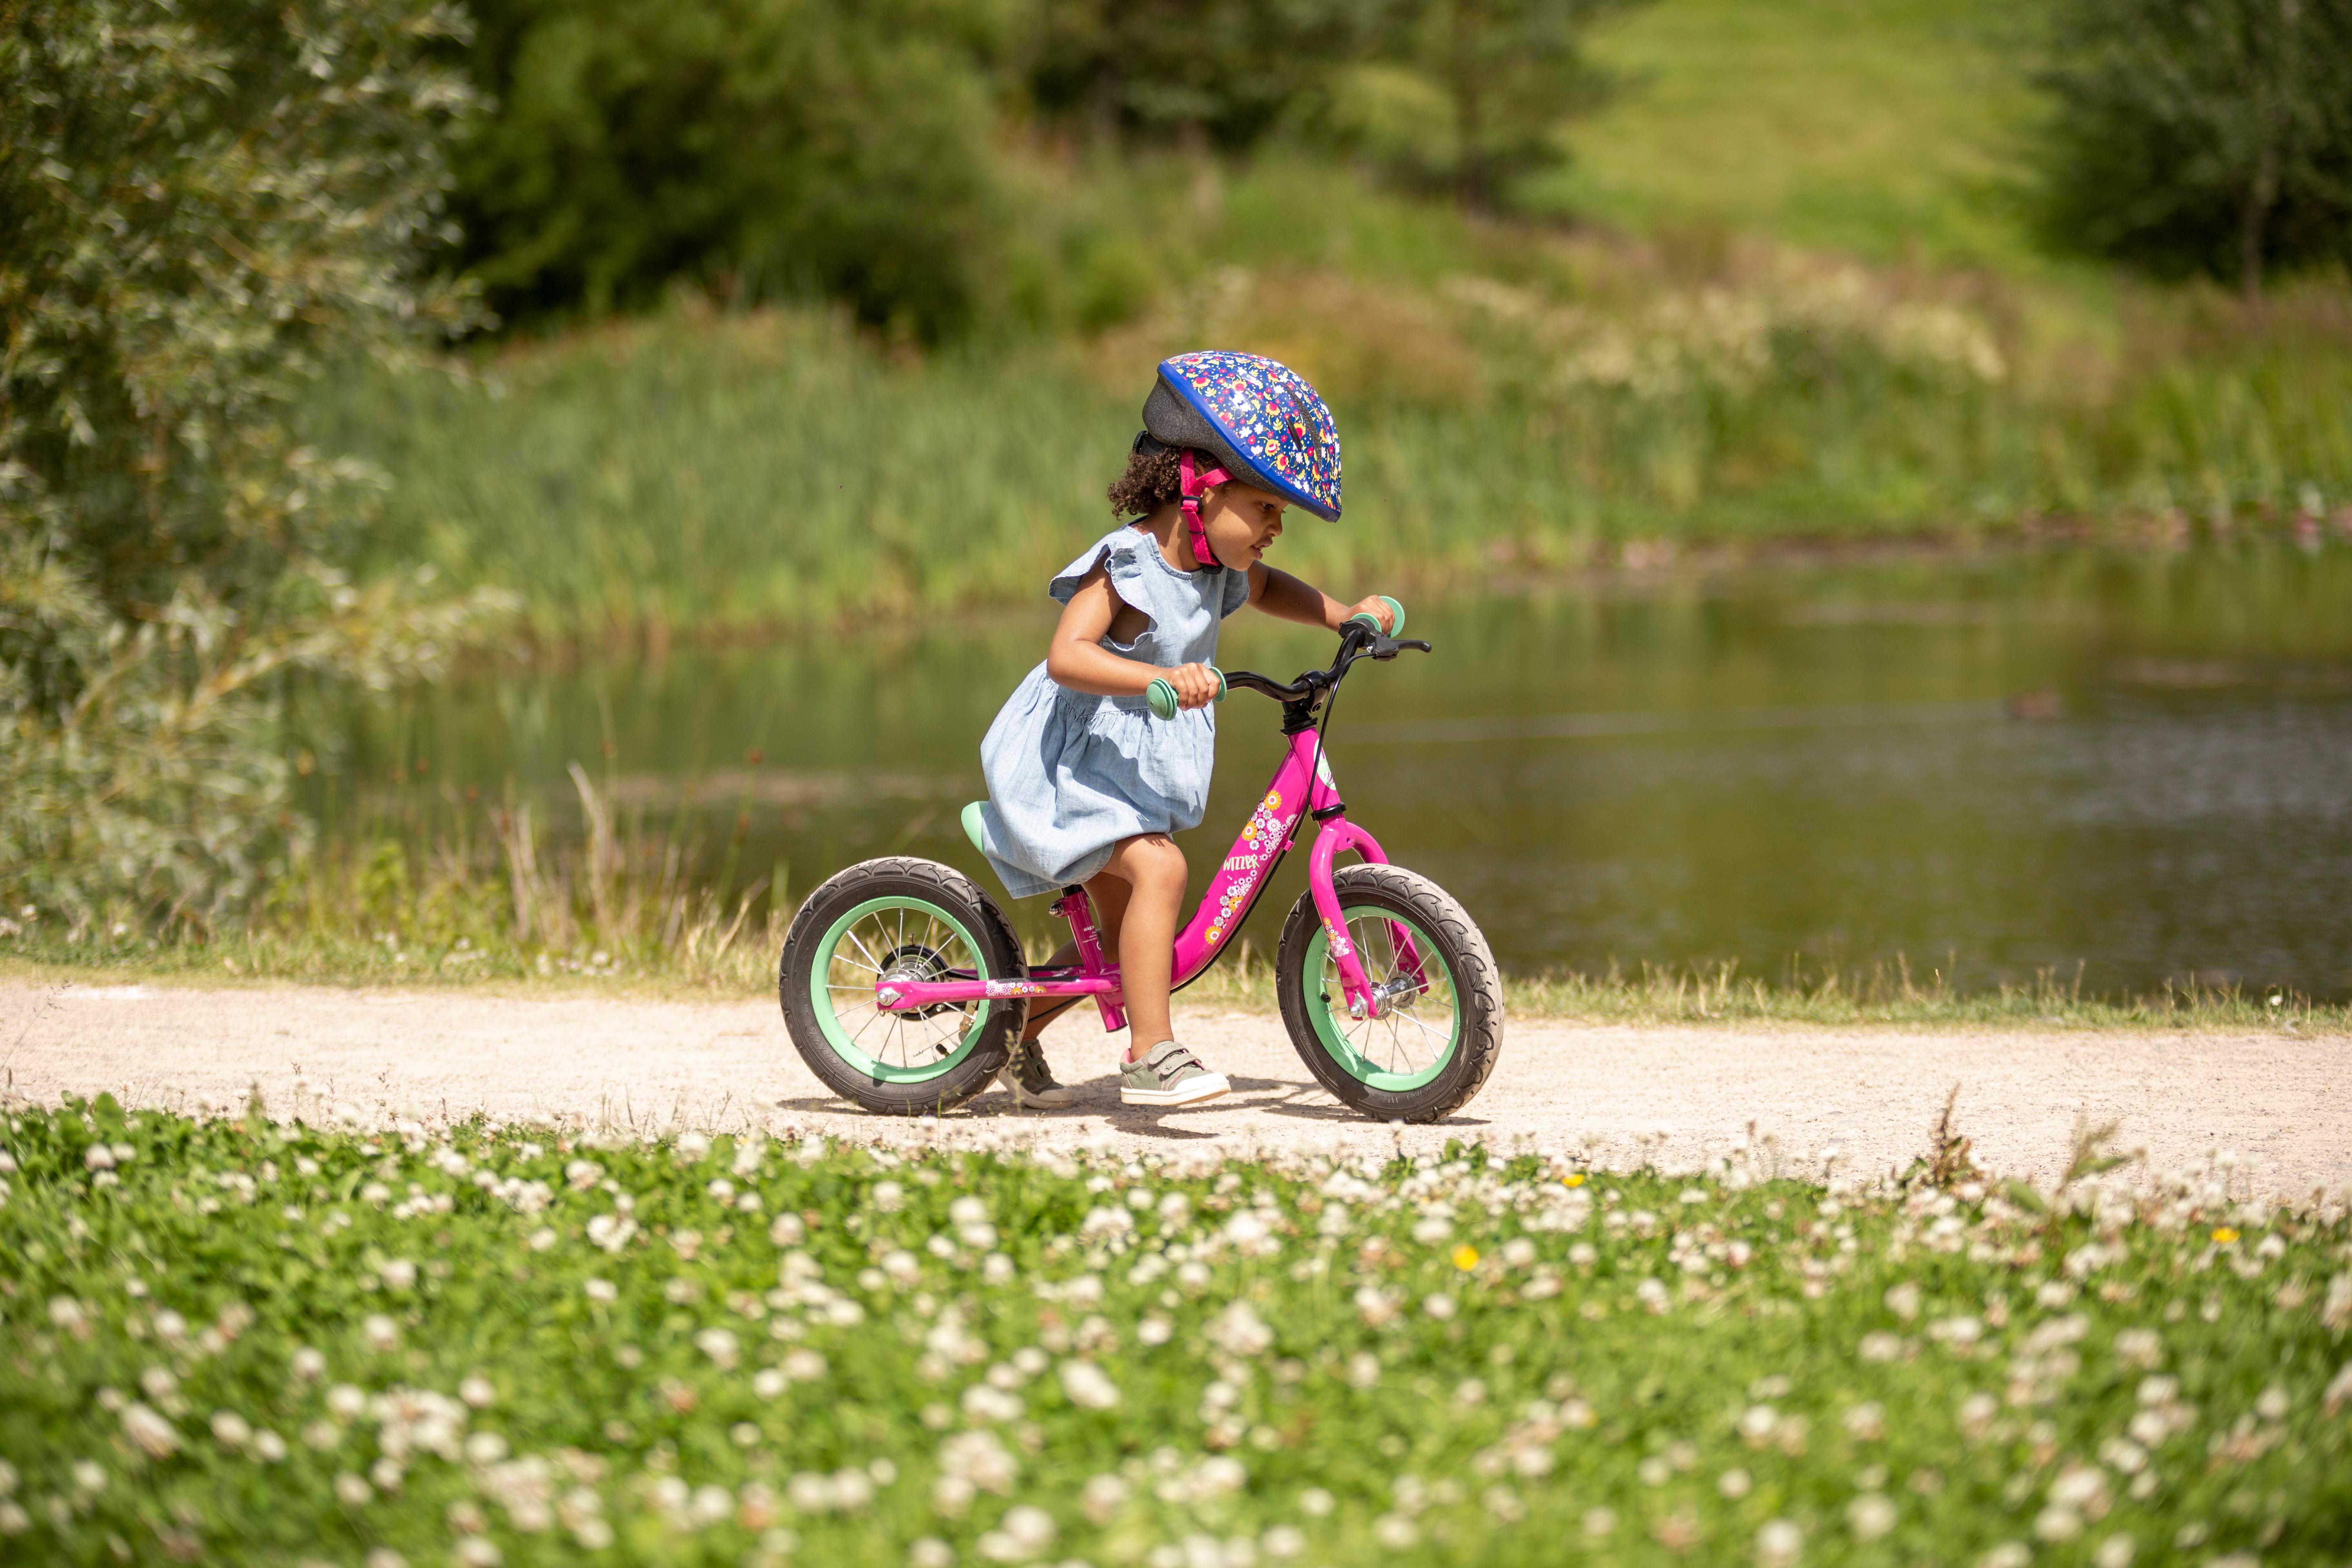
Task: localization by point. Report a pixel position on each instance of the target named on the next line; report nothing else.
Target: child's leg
(1152, 870)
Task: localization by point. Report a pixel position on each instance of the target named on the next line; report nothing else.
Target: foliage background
(205, 204)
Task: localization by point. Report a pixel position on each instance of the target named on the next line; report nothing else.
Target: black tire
(974, 1040)
(1455, 1074)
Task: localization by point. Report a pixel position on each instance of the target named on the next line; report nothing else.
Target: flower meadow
(230, 1340)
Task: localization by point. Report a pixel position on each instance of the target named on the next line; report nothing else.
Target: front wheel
(1440, 1027)
(911, 920)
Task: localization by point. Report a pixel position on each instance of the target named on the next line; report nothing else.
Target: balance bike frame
(1302, 786)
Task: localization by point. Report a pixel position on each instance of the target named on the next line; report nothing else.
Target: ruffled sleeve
(1119, 552)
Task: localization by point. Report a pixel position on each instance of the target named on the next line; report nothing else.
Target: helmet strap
(1197, 484)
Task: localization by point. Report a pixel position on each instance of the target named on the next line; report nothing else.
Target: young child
(1085, 785)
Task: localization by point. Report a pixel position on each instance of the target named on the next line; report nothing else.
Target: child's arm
(1277, 593)
(1076, 658)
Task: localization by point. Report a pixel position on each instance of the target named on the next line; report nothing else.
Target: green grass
(241, 1341)
(714, 955)
(1892, 128)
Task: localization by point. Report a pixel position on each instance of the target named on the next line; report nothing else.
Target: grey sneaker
(1168, 1075)
(1031, 1081)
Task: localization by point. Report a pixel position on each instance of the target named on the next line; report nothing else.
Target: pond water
(2137, 769)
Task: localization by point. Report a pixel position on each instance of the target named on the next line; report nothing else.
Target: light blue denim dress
(1070, 773)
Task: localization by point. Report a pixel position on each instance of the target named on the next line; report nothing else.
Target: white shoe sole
(1192, 1092)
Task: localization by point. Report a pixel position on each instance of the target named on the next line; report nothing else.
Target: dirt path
(2280, 1102)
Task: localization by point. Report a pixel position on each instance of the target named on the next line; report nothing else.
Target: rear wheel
(909, 919)
(1440, 1027)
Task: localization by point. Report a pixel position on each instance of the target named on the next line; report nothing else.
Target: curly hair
(1152, 479)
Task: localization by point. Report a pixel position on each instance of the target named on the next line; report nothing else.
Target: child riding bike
(1085, 785)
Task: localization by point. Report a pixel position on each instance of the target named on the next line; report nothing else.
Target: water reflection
(1991, 766)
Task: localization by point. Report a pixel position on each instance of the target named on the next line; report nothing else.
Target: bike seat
(972, 824)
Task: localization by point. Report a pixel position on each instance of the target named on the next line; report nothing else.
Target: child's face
(1242, 523)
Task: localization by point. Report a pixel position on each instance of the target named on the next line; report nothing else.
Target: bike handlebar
(1356, 631)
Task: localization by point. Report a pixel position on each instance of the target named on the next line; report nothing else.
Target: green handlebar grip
(1396, 611)
(1162, 696)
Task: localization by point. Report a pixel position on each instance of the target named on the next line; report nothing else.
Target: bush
(205, 200)
(2201, 135)
(764, 149)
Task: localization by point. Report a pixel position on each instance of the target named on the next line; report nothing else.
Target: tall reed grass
(705, 475)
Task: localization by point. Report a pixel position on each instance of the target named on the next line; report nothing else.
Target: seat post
(1075, 907)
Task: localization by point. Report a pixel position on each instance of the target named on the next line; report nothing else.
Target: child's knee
(1152, 860)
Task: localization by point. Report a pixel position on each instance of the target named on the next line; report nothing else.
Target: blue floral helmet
(1260, 422)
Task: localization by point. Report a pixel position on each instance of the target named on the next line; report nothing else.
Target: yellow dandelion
(1576, 1180)
(2225, 1234)
(1465, 1258)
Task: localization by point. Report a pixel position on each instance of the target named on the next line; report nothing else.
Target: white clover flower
(1866, 1421)
(930, 1551)
(477, 1391)
(346, 1402)
(602, 1290)
(399, 1274)
(385, 1557)
(269, 1446)
(719, 1344)
(1088, 1386)
(804, 1365)
(1757, 1423)
(308, 1364)
(380, 1332)
(1317, 1503)
(1100, 1499)
(1902, 1301)
(2008, 1554)
(89, 1476)
(693, 1148)
(1599, 1521)
(1438, 1305)
(1395, 1531)
(1778, 1542)
(230, 1430)
(889, 1197)
(1870, 1515)
(1155, 1329)
(996, 1270)
(1282, 1541)
(353, 1491)
(485, 1448)
(900, 1267)
(1238, 1331)
(770, 1383)
(2115, 1552)
(1735, 1484)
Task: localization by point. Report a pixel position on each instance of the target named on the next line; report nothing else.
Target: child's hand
(1377, 608)
(1196, 684)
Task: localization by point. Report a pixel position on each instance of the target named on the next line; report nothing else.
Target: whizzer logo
(1263, 834)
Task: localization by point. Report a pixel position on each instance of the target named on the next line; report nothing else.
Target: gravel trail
(2281, 1102)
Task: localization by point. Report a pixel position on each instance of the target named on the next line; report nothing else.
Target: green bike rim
(852, 955)
(1413, 1039)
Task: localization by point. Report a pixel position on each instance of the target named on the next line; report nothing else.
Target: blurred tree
(1226, 71)
(1508, 74)
(204, 201)
(765, 148)
(2201, 135)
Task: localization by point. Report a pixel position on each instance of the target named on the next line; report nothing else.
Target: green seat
(972, 824)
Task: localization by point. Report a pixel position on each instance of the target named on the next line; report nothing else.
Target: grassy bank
(1512, 398)
(717, 957)
(254, 1343)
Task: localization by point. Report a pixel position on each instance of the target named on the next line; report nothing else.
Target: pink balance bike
(904, 988)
